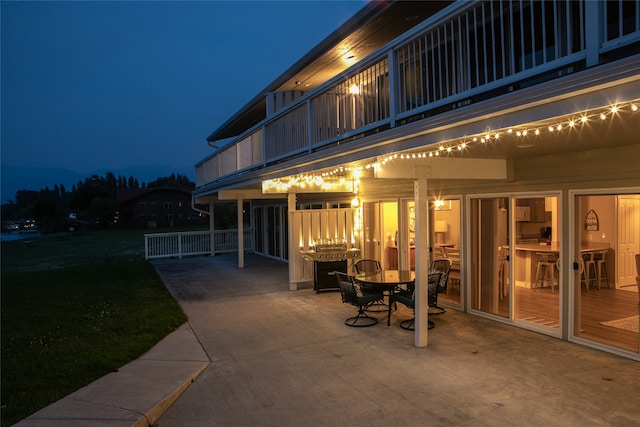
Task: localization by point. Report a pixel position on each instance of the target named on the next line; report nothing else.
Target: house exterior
(503, 135)
(156, 207)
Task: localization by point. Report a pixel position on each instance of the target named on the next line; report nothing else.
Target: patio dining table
(387, 281)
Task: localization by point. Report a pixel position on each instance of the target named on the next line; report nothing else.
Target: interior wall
(605, 209)
(453, 221)
(390, 220)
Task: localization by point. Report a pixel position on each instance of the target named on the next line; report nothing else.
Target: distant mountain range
(15, 178)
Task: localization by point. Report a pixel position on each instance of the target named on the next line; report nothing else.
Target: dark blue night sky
(104, 85)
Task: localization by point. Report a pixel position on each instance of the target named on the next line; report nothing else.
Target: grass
(73, 310)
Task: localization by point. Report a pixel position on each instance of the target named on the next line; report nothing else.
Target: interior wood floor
(541, 306)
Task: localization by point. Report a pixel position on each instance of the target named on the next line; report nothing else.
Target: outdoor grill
(328, 258)
(330, 252)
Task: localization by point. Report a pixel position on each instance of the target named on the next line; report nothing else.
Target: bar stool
(546, 264)
(589, 266)
(600, 259)
(503, 274)
(583, 277)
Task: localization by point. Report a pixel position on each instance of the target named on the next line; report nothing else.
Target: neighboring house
(502, 135)
(156, 207)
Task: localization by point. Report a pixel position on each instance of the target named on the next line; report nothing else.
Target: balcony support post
(294, 258)
(421, 200)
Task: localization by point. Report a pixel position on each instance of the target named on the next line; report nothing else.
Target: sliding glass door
(515, 250)
(489, 233)
(606, 297)
(536, 262)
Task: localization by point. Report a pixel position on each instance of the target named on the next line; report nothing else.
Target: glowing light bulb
(634, 107)
(537, 132)
(583, 119)
(602, 116)
(614, 109)
(572, 123)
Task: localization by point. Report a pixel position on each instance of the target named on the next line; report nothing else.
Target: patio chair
(371, 266)
(368, 266)
(353, 294)
(407, 297)
(442, 266)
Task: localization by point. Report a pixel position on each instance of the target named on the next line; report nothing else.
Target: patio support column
(293, 260)
(240, 234)
(422, 261)
(212, 229)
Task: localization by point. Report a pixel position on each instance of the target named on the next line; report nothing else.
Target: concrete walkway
(266, 356)
(137, 394)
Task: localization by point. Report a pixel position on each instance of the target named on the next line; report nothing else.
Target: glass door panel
(380, 233)
(606, 296)
(489, 232)
(371, 230)
(536, 251)
(446, 238)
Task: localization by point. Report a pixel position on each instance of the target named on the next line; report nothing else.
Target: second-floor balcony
(467, 53)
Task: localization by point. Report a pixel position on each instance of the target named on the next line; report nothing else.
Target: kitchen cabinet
(393, 257)
(531, 210)
(523, 213)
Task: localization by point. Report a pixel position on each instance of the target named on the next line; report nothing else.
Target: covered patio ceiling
(615, 125)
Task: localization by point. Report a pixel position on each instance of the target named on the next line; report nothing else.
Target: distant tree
(111, 184)
(177, 181)
(93, 200)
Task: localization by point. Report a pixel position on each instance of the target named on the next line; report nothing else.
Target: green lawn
(75, 308)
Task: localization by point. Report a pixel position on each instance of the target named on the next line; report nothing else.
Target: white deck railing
(193, 243)
(469, 52)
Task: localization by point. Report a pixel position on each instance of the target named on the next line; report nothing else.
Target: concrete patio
(283, 358)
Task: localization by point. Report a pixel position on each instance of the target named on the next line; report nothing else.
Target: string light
(327, 180)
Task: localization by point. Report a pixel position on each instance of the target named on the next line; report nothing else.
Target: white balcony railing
(474, 51)
(194, 243)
